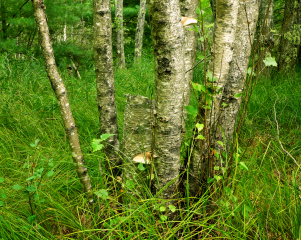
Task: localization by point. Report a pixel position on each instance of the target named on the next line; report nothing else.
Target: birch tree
(290, 38)
(264, 34)
(224, 36)
(233, 90)
(103, 57)
(140, 30)
(168, 37)
(119, 25)
(188, 9)
(61, 94)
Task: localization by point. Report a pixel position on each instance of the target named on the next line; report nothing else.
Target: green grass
(261, 203)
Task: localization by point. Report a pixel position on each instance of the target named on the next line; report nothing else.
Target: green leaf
(172, 208)
(96, 144)
(244, 166)
(130, 184)
(31, 218)
(192, 110)
(17, 187)
(220, 143)
(250, 71)
(270, 61)
(247, 208)
(162, 208)
(1, 204)
(199, 11)
(210, 180)
(216, 168)
(106, 136)
(35, 144)
(102, 193)
(141, 167)
(151, 176)
(228, 190)
(196, 86)
(50, 173)
(210, 77)
(237, 95)
(200, 136)
(217, 177)
(199, 126)
(31, 188)
(233, 198)
(1, 179)
(163, 218)
(201, 57)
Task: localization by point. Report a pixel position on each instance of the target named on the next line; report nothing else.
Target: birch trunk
(188, 9)
(119, 25)
(105, 77)
(244, 36)
(168, 38)
(264, 33)
(290, 39)
(61, 95)
(140, 30)
(224, 36)
(137, 139)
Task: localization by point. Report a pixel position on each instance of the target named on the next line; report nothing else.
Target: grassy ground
(261, 203)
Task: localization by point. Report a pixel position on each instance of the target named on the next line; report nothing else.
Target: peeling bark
(61, 95)
(168, 38)
(119, 25)
(103, 58)
(140, 30)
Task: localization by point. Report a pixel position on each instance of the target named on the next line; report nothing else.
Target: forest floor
(263, 200)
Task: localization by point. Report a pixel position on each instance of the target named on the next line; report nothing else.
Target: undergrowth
(262, 202)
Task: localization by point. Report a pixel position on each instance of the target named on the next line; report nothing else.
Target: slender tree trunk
(140, 30)
(61, 94)
(264, 32)
(290, 39)
(105, 77)
(224, 36)
(119, 26)
(188, 9)
(168, 38)
(244, 36)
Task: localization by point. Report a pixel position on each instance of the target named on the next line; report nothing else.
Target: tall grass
(261, 203)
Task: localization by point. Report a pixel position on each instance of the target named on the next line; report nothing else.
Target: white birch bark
(61, 95)
(188, 9)
(103, 57)
(245, 31)
(140, 30)
(168, 37)
(119, 25)
(222, 52)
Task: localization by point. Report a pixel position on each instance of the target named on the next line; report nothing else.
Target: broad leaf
(192, 110)
(270, 61)
(102, 193)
